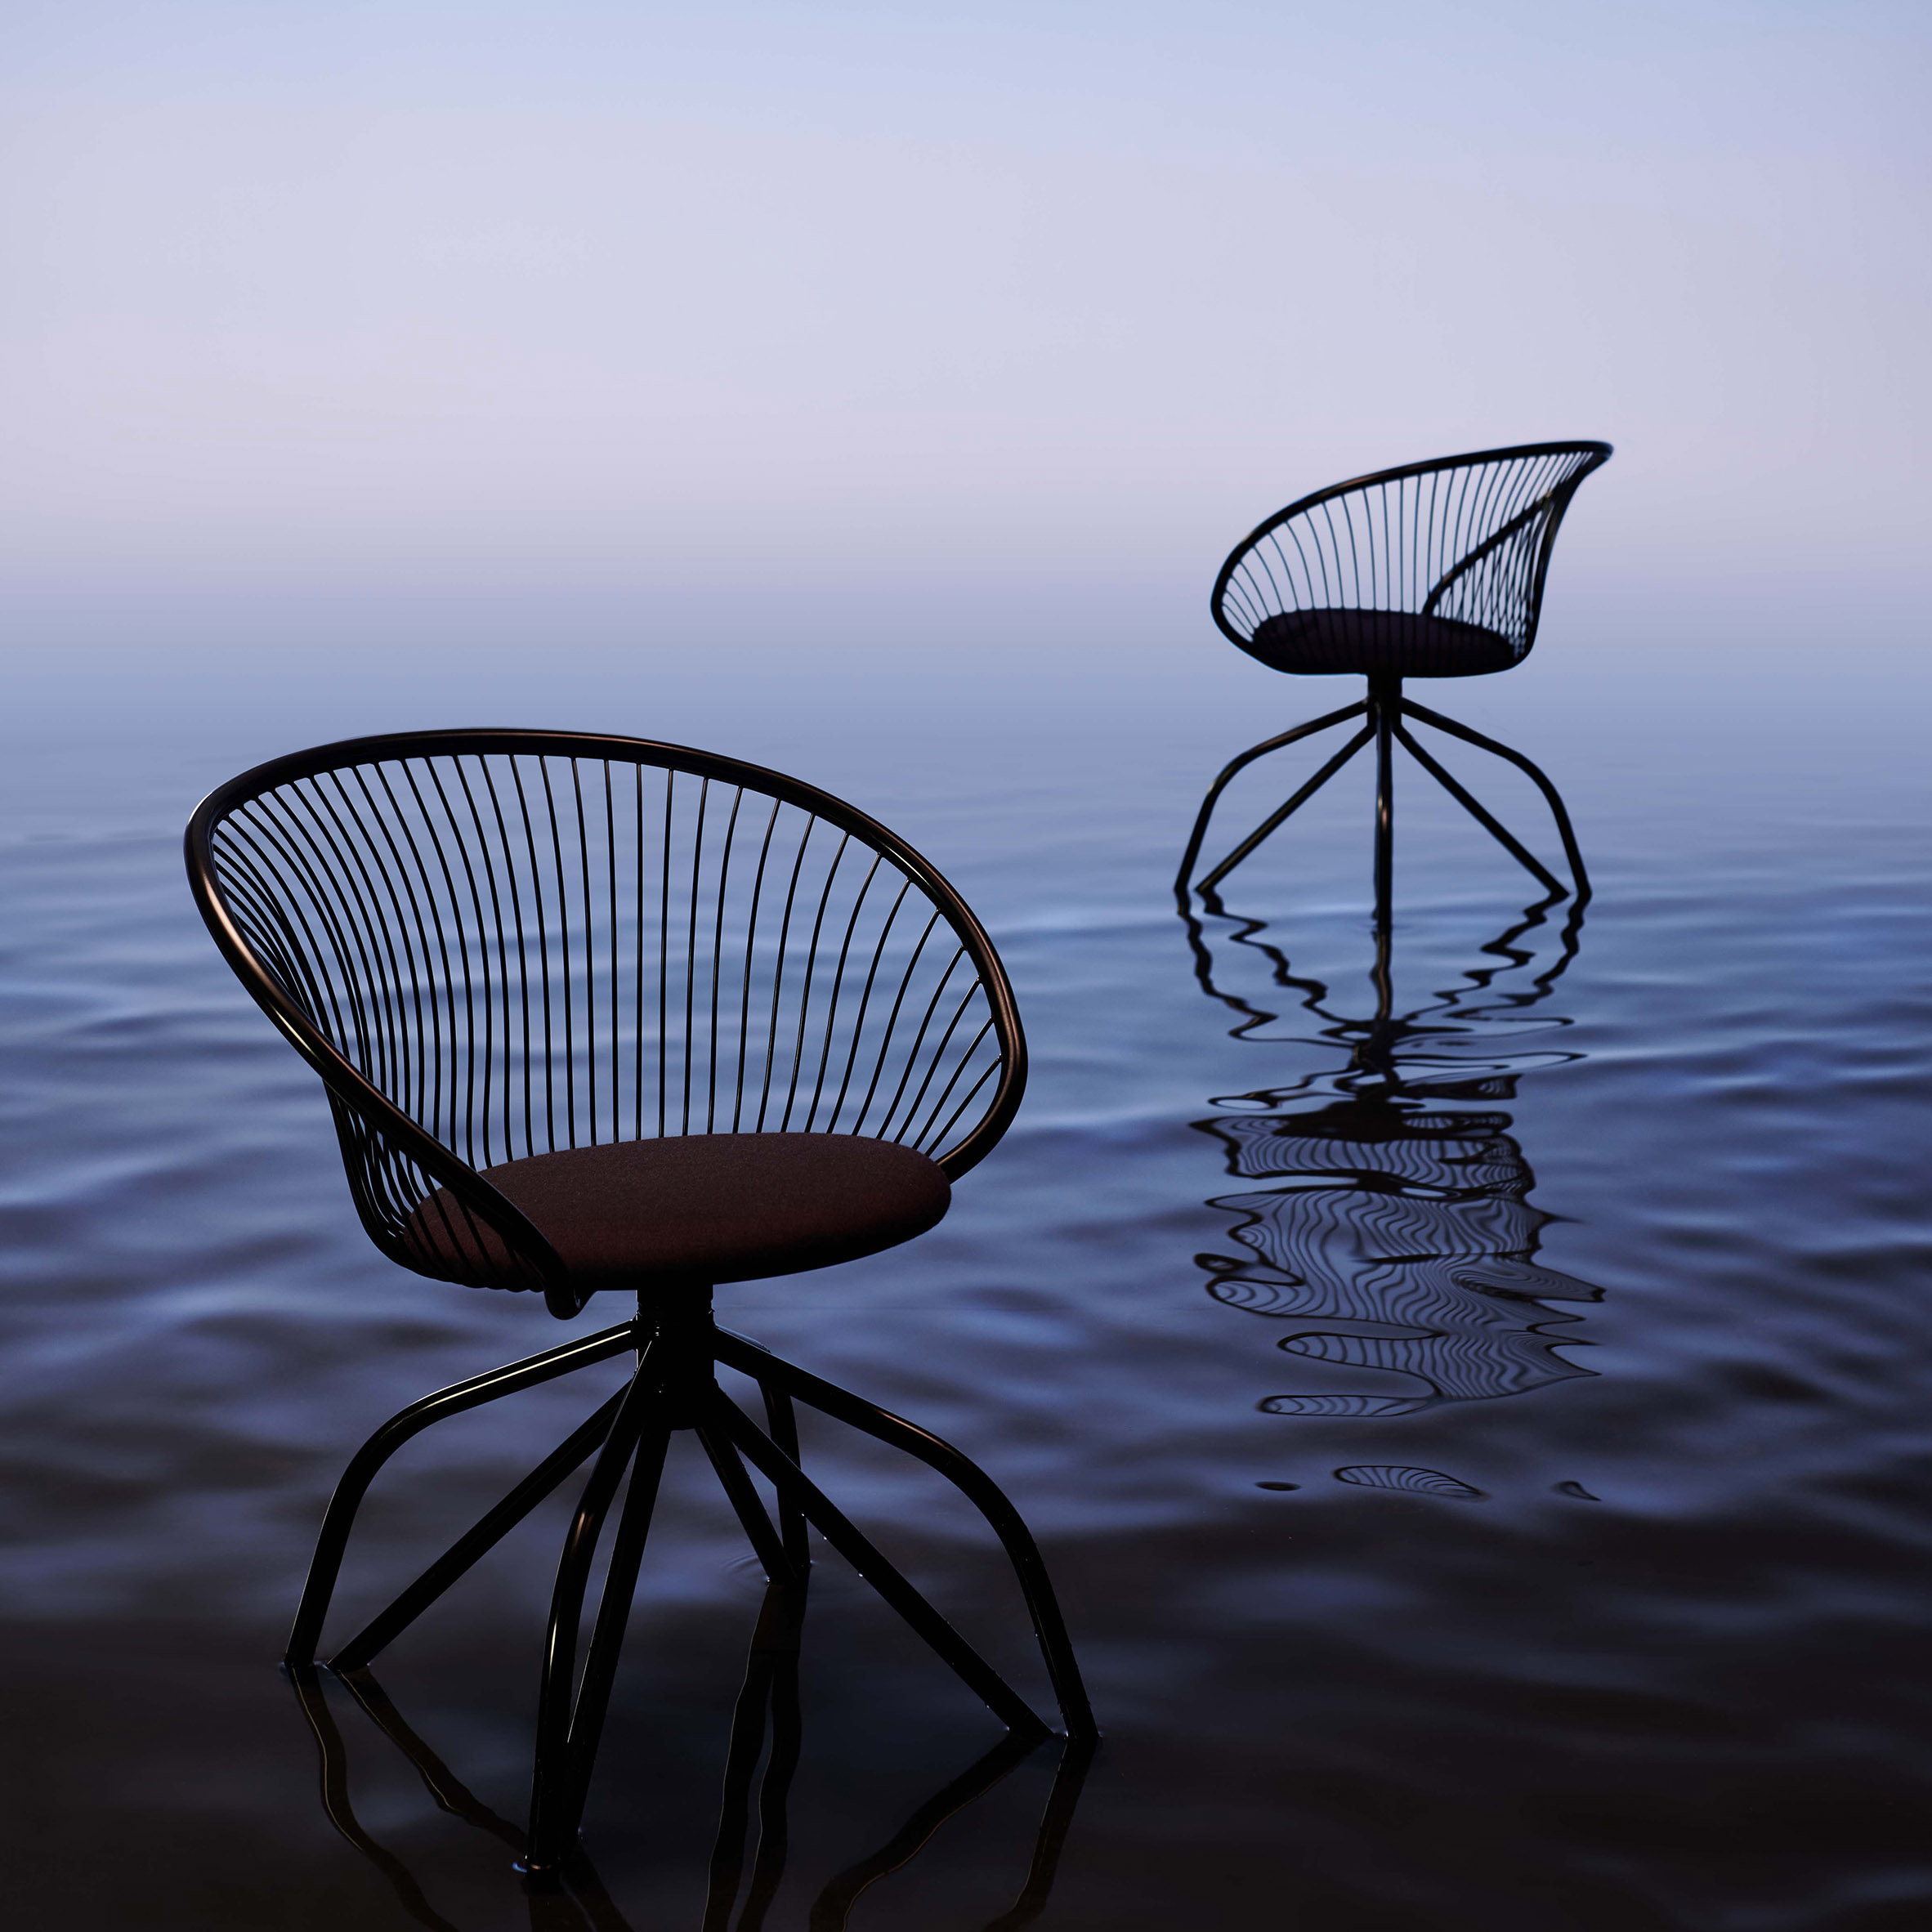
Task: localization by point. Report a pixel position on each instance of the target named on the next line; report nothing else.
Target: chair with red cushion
(595, 1013)
(1434, 569)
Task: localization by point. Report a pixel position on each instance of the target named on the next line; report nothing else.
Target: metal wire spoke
(525, 967)
(1465, 538)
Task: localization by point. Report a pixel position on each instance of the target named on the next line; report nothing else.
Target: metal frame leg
(489, 1529)
(674, 1387)
(1571, 854)
(764, 1540)
(606, 1641)
(1469, 803)
(563, 1757)
(1279, 816)
(1049, 1626)
(1247, 758)
(339, 1519)
(781, 1425)
(786, 1476)
(1384, 707)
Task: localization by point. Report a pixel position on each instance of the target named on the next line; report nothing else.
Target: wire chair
(594, 1013)
(1435, 569)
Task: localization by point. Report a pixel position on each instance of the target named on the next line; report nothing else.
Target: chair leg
(1049, 1626)
(751, 1512)
(1384, 707)
(1469, 803)
(476, 1542)
(1247, 758)
(1551, 795)
(555, 1787)
(606, 1641)
(786, 1476)
(781, 1425)
(340, 1516)
(1276, 818)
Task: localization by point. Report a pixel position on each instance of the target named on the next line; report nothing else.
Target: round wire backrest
(1462, 536)
(526, 941)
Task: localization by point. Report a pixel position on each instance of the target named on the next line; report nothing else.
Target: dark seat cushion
(1388, 642)
(699, 1208)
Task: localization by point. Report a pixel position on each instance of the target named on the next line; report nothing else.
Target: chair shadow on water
(1395, 1230)
(747, 1866)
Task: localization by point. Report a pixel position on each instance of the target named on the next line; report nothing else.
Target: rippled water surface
(1480, 1439)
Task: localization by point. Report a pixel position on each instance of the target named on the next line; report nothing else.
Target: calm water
(1484, 1455)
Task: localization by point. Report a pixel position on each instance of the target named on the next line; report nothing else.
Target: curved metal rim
(1600, 452)
(358, 1092)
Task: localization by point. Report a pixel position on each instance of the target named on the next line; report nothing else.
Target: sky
(796, 312)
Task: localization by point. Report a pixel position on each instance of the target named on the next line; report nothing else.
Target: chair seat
(1316, 643)
(698, 1208)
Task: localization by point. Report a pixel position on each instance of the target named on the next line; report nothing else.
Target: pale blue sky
(412, 297)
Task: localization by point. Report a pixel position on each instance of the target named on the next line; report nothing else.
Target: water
(1482, 1453)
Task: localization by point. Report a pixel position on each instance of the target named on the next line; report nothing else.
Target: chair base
(674, 1387)
(1383, 711)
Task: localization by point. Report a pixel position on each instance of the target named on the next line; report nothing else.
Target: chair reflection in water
(1397, 1222)
(1435, 569)
(764, 1755)
(595, 1013)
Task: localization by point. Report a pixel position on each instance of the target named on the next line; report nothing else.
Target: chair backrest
(493, 944)
(1462, 536)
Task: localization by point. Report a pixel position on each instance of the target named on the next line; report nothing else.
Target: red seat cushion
(697, 1208)
(1314, 643)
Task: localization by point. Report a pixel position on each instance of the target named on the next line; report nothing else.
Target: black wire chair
(1435, 569)
(595, 1013)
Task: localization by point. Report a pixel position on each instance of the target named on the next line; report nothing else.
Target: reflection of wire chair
(598, 1013)
(767, 1709)
(1399, 1203)
(1434, 569)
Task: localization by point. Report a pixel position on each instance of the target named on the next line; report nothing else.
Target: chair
(597, 1013)
(1435, 569)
